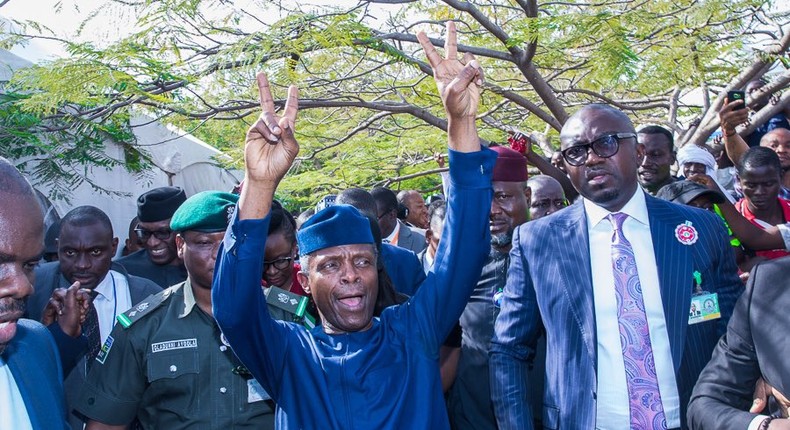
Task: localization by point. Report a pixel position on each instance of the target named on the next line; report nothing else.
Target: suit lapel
(674, 262)
(575, 253)
(26, 374)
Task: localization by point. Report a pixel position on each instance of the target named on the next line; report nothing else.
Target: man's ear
(180, 245)
(528, 195)
(304, 280)
(640, 153)
(114, 245)
(428, 236)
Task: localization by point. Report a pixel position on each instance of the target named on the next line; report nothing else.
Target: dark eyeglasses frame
(279, 264)
(601, 146)
(144, 234)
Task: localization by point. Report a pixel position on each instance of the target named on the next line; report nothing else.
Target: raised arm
(238, 302)
(750, 235)
(464, 245)
(459, 85)
(731, 116)
(269, 151)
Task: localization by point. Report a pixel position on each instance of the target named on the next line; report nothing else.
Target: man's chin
(161, 260)
(501, 240)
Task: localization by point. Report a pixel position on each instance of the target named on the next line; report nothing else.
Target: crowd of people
(605, 292)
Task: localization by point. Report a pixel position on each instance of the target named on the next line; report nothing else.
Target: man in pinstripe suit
(568, 269)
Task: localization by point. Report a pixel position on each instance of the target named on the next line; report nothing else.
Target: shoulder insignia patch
(145, 307)
(286, 300)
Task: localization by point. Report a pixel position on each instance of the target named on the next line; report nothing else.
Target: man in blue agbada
(354, 371)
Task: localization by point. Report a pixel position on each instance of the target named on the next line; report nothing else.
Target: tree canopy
(369, 112)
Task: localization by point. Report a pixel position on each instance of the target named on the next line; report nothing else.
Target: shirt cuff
(784, 230)
(253, 231)
(472, 169)
(756, 421)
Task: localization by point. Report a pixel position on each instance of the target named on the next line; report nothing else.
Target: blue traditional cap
(334, 226)
(208, 212)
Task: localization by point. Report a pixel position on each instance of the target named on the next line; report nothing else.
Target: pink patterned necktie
(647, 411)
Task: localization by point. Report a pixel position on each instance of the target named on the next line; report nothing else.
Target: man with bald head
(636, 264)
(546, 198)
(393, 230)
(31, 378)
(418, 210)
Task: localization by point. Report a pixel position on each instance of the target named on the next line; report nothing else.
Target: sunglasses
(144, 234)
(604, 147)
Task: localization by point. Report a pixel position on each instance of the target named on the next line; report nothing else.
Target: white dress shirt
(13, 412)
(113, 299)
(612, 399)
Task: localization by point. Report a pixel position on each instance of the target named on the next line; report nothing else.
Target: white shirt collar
(635, 208)
(105, 287)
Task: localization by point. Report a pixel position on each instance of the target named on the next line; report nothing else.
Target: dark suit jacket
(755, 345)
(411, 238)
(33, 359)
(550, 276)
(48, 278)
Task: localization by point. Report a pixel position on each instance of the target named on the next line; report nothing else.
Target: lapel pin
(686, 233)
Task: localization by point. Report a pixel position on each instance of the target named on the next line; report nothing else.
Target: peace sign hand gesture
(459, 87)
(271, 147)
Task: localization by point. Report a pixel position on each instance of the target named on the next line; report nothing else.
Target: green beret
(208, 212)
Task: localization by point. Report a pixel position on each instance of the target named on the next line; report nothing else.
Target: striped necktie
(91, 329)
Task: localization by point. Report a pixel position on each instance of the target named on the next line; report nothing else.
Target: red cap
(510, 166)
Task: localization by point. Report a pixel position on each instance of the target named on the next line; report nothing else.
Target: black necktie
(91, 329)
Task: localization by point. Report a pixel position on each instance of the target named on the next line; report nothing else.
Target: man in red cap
(469, 403)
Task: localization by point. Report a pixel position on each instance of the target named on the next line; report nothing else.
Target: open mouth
(352, 303)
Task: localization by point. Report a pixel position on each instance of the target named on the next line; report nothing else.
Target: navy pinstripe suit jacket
(33, 359)
(550, 276)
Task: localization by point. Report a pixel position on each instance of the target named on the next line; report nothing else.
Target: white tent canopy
(179, 159)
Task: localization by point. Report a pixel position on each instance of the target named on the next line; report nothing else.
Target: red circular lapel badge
(686, 233)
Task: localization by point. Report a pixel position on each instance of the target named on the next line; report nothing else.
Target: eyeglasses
(144, 234)
(604, 147)
(279, 264)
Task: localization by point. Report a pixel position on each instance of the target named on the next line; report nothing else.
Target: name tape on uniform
(174, 344)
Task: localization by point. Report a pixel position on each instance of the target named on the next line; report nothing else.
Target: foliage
(63, 150)
(369, 109)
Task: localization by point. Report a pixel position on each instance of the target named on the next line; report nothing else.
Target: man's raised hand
(271, 147)
(67, 307)
(459, 87)
(731, 116)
